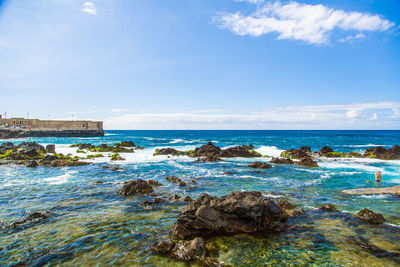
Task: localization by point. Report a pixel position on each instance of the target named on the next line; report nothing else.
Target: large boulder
(307, 162)
(63, 163)
(240, 151)
(207, 150)
(324, 150)
(281, 161)
(259, 165)
(328, 207)
(134, 187)
(370, 216)
(380, 152)
(238, 212)
(290, 209)
(51, 149)
(30, 149)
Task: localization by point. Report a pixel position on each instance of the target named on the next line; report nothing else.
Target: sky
(203, 64)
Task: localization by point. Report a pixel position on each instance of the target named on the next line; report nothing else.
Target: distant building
(50, 124)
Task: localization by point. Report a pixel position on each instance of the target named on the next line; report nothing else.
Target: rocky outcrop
(134, 187)
(240, 151)
(238, 212)
(207, 150)
(63, 163)
(324, 150)
(370, 216)
(290, 209)
(210, 158)
(51, 149)
(328, 207)
(307, 162)
(395, 190)
(302, 152)
(5, 147)
(259, 165)
(381, 152)
(154, 183)
(281, 161)
(166, 151)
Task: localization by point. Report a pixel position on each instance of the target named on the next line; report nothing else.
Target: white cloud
(89, 7)
(349, 116)
(312, 24)
(118, 110)
(251, 1)
(351, 38)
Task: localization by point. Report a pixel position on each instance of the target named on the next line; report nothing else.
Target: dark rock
(86, 146)
(290, 209)
(324, 150)
(370, 216)
(154, 183)
(380, 152)
(33, 218)
(174, 197)
(125, 144)
(240, 151)
(302, 152)
(5, 147)
(133, 187)
(187, 199)
(175, 179)
(167, 151)
(210, 158)
(259, 165)
(31, 149)
(99, 182)
(51, 149)
(158, 200)
(32, 164)
(163, 247)
(238, 212)
(192, 182)
(182, 250)
(228, 173)
(281, 161)
(63, 163)
(308, 162)
(328, 207)
(49, 158)
(182, 183)
(207, 150)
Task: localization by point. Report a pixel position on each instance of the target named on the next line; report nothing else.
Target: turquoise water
(91, 224)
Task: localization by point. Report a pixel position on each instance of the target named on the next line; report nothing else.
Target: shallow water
(91, 224)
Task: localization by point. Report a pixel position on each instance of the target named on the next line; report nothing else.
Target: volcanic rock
(259, 165)
(370, 216)
(134, 187)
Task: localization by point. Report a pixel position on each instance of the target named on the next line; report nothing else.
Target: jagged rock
(158, 200)
(308, 162)
(290, 209)
(207, 150)
(154, 183)
(163, 247)
(302, 152)
(370, 216)
(281, 161)
(30, 149)
(259, 165)
(133, 187)
(32, 164)
(49, 158)
(51, 149)
(125, 144)
(328, 207)
(167, 151)
(238, 212)
(240, 151)
(210, 158)
(182, 250)
(324, 150)
(175, 179)
(380, 152)
(5, 147)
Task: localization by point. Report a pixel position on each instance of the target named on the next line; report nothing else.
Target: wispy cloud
(352, 38)
(349, 116)
(118, 110)
(312, 24)
(89, 7)
(251, 1)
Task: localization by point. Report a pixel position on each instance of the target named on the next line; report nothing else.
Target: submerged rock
(154, 183)
(308, 162)
(370, 216)
(175, 179)
(328, 207)
(182, 250)
(290, 209)
(259, 165)
(210, 158)
(134, 187)
(33, 218)
(281, 161)
(238, 212)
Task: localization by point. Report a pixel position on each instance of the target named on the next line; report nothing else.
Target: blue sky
(201, 64)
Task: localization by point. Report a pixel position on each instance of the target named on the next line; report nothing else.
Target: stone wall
(51, 124)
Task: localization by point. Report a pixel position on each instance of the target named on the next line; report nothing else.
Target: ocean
(92, 225)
